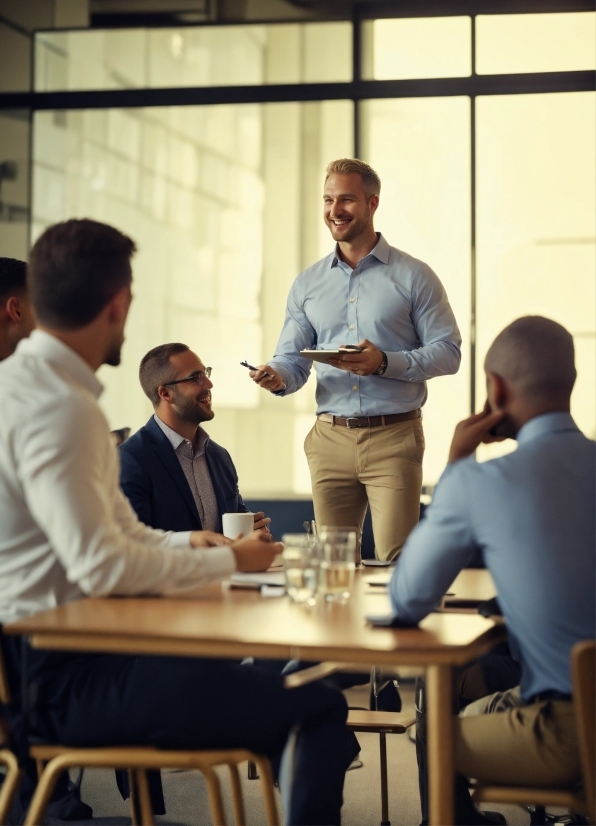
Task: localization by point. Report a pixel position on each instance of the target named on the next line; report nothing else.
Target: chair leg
(144, 798)
(237, 800)
(268, 794)
(215, 801)
(43, 791)
(133, 791)
(11, 782)
(538, 816)
(384, 791)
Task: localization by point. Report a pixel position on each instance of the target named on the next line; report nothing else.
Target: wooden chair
(581, 801)
(378, 722)
(52, 760)
(14, 773)
(381, 723)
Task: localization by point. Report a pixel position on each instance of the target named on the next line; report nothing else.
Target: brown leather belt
(370, 421)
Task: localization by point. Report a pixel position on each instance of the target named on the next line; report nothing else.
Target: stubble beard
(357, 227)
(188, 411)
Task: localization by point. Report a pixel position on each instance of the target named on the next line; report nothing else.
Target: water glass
(336, 549)
(301, 567)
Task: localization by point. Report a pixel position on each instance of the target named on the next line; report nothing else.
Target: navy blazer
(153, 480)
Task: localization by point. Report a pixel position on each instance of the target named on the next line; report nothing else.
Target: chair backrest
(583, 675)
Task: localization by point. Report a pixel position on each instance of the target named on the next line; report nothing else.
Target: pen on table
(250, 367)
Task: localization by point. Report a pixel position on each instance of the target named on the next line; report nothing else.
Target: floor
(186, 797)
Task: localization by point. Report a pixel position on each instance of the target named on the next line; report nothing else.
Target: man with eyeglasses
(174, 475)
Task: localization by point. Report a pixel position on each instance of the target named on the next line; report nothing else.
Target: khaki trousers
(517, 745)
(379, 466)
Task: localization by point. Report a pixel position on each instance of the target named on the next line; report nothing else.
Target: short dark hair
(75, 269)
(155, 368)
(13, 277)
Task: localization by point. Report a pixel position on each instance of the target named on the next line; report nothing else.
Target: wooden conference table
(224, 622)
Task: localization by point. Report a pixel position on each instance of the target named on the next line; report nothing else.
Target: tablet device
(324, 355)
(377, 563)
(388, 621)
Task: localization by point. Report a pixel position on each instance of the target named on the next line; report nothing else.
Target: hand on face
(473, 431)
(362, 364)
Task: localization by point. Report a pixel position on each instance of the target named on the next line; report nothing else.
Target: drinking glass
(336, 549)
(301, 567)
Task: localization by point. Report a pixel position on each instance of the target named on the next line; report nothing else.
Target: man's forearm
(441, 358)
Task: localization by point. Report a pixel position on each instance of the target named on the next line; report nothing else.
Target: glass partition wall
(222, 191)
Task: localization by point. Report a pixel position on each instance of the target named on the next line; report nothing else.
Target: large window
(222, 191)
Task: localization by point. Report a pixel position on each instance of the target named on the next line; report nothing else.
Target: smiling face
(190, 402)
(348, 209)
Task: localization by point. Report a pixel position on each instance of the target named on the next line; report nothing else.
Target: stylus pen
(250, 367)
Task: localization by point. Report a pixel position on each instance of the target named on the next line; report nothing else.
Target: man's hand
(261, 524)
(364, 363)
(255, 552)
(474, 431)
(208, 539)
(267, 378)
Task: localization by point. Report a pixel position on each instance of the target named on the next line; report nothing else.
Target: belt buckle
(352, 419)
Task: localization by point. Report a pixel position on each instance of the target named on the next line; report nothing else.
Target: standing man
(16, 314)
(367, 444)
(175, 476)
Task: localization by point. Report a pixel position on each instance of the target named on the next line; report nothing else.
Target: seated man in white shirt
(67, 531)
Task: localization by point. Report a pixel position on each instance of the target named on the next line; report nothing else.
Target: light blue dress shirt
(531, 514)
(391, 299)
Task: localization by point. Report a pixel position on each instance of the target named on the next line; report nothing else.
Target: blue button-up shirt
(391, 299)
(531, 514)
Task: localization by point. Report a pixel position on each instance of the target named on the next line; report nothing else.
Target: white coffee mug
(235, 523)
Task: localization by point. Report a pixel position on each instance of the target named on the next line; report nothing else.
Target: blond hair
(345, 166)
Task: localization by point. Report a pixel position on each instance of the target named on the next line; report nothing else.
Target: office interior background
(202, 129)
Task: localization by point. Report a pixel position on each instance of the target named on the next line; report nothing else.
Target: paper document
(243, 580)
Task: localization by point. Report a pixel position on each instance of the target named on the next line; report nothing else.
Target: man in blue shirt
(367, 444)
(531, 515)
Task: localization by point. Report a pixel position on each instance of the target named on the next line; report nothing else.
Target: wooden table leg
(440, 735)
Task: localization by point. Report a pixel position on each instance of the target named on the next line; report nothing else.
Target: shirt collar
(46, 346)
(380, 252)
(546, 423)
(175, 439)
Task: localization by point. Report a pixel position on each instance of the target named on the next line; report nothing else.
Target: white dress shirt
(66, 528)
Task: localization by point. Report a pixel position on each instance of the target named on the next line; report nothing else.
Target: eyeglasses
(197, 378)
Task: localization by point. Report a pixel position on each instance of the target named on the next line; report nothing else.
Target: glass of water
(337, 561)
(301, 567)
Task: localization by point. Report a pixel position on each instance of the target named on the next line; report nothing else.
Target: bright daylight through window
(224, 200)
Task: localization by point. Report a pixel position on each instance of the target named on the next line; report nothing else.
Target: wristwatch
(382, 366)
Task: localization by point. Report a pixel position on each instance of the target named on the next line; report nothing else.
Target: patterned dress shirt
(196, 471)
